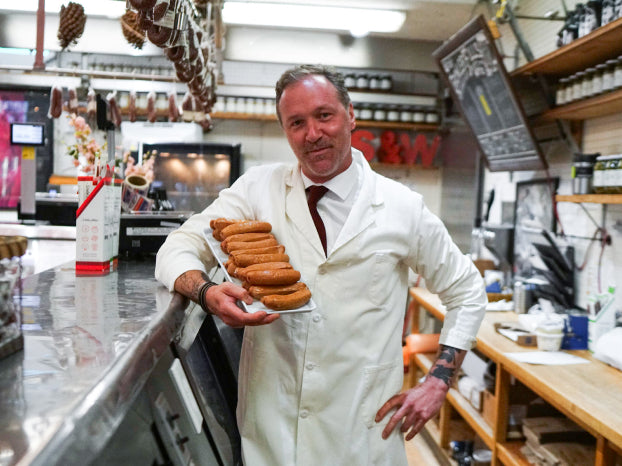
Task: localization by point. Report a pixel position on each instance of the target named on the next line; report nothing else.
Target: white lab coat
(310, 384)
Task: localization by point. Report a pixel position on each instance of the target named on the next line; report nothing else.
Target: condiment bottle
(607, 13)
(418, 115)
(380, 113)
(374, 82)
(350, 80)
(366, 112)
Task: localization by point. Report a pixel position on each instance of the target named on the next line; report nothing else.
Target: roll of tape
(138, 183)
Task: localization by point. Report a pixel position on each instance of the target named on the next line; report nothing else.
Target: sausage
(293, 300)
(115, 113)
(56, 102)
(272, 277)
(244, 238)
(278, 249)
(241, 272)
(244, 260)
(131, 107)
(72, 102)
(91, 105)
(152, 113)
(231, 268)
(259, 292)
(247, 226)
(252, 244)
(173, 110)
(220, 223)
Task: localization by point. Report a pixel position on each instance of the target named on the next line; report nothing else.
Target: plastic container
(582, 173)
(549, 341)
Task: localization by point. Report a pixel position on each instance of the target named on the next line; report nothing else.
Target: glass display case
(193, 174)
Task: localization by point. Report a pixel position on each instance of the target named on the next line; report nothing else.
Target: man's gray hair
(299, 73)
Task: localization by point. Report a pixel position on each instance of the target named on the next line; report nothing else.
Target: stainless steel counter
(90, 345)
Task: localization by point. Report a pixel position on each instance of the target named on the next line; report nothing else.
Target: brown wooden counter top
(589, 394)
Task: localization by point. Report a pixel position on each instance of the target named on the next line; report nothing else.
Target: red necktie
(315, 193)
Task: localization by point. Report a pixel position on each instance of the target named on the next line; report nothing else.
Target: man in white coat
(323, 387)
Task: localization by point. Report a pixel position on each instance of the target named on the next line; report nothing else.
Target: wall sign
(396, 148)
(480, 86)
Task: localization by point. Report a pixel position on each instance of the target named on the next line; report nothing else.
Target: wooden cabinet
(592, 49)
(588, 394)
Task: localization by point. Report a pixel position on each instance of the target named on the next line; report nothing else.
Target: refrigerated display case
(193, 174)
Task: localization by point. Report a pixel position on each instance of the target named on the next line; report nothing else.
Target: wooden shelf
(473, 417)
(596, 47)
(510, 454)
(591, 198)
(605, 104)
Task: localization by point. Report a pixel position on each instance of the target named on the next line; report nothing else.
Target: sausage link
(247, 226)
(240, 272)
(272, 277)
(259, 292)
(244, 260)
(252, 245)
(244, 238)
(278, 249)
(281, 302)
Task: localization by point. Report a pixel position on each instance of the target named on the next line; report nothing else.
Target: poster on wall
(480, 86)
(13, 109)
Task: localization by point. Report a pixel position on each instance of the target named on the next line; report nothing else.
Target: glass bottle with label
(569, 97)
(598, 182)
(616, 174)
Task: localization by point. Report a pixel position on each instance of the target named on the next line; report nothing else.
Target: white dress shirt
(335, 206)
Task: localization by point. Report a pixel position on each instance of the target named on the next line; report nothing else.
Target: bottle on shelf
(560, 93)
(608, 74)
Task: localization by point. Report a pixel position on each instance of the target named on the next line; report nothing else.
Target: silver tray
(222, 257)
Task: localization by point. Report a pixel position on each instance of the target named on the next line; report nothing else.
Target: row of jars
(395, 113)
(147, 70)
(608, 174)
(161, 101)
(604, 77)
(247, 105)
(368, 82)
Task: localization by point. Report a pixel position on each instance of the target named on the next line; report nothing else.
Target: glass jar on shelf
(367, 113)
(141, 101)
(418, 115)
(560, 93)
(598, 182)
(406, 114)
(350, 80)
(362, 82)
(597, 81)
(614, 172)
(608, 75)
(586, 84)
(577, 86)
(393, 113)
(386, 82)
(431, 117)
(374, 82)
(357, 110)
(617, 74)
(380, 114)
(569, 94)
(161, 102)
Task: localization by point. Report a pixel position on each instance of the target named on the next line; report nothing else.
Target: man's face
(318, 127)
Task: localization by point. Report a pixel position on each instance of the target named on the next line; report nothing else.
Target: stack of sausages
(258, 260)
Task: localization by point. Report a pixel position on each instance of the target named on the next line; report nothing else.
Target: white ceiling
(434, 20)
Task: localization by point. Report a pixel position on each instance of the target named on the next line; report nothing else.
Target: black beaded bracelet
(204, 287)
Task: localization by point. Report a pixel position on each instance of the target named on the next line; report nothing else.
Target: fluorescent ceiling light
(357, 20)
(105, 8)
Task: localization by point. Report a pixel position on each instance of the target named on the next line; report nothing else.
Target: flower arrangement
(145, 169)
(86, 151)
